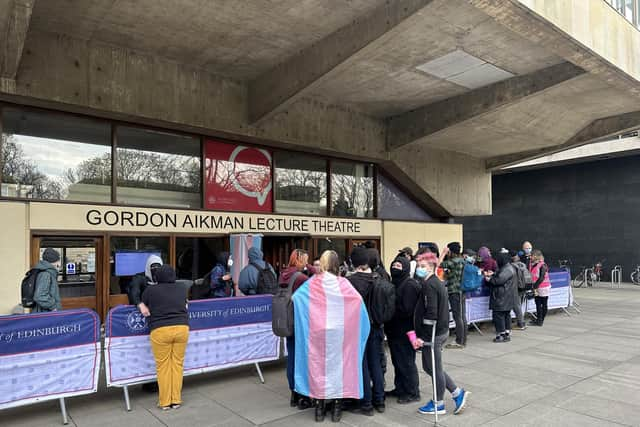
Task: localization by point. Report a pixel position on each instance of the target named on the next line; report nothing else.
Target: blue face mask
(421, 272)
(527, 251)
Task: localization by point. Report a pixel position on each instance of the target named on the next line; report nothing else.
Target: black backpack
(28, 288)
(282, 309)
(267, 281)
(382, 300)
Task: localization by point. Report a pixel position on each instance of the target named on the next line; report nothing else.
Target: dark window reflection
(351, 189)
(393, 203)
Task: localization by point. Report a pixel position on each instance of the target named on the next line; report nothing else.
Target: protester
(165, 306)
(221, 283)
(403, 355)
(363, 281)
(520, 291)
(332, 325)
(541, 286)
(377, 268)
(376, 265)
(249, 276)
(140, 281)
(316, 264)
(453, 267)
(295, 275)
(434, 305)
(502, 297)
(407, 252)
(486, 263)
(46, 296)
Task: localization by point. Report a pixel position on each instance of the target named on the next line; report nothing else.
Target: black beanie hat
(51, 255)
(454, 247)
(165, 274)
(359, 256)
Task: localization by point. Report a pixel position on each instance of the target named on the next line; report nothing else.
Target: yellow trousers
(169, 344)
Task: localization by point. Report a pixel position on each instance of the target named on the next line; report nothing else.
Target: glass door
(80, 271)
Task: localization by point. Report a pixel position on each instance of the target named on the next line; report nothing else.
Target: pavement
(578, 370)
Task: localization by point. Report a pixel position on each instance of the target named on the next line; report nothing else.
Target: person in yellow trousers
(165, 307)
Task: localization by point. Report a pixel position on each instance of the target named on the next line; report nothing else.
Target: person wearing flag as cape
(331, 330)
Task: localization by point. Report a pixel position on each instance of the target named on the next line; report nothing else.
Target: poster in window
(237, 177)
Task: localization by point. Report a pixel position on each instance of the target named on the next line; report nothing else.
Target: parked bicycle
(589, 276)
(635, 276)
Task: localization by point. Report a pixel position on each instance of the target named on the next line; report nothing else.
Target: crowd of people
(331, 301)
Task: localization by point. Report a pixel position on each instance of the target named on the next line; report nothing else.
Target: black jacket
(407, 294)
(503, 289)
(363, 282)
(433, 304)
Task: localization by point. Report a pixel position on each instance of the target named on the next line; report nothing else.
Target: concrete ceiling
(377, 45)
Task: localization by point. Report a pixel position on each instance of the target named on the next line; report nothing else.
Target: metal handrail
(616, 276)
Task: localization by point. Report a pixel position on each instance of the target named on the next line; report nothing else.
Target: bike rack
(616, 276)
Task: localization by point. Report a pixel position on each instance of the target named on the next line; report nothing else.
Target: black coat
(407, 295)
(503, 289)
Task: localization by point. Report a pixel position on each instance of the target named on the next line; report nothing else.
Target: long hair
(330, 262)
(298, 259)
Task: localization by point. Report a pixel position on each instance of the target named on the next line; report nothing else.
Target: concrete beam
(13, 29)
(287, 82)
(596, 131)
(417, 124)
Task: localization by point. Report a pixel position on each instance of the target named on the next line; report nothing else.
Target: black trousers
(403, 358)
(502, 321)
(457, 303)
(541, 308)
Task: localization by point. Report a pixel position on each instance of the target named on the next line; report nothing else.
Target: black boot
(294, 399)
(320, 410)
(304, 403)
(336, 411)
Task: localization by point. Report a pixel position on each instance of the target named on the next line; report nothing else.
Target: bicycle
(635, 276)
(589, 276)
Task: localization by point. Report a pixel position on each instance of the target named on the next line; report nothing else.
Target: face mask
(421, 272)
(230, 263)
(395, 272)
(527, 251)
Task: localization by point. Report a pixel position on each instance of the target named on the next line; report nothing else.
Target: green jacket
(47, 293)
(453, 272)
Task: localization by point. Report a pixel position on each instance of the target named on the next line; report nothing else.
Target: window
(301, 184)
(158, 168)
(55, 156)
(196, 256)
(393, 203)
(237, 178)
(128, 257)
(351, 189)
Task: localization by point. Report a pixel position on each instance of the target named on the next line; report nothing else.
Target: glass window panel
(351, 189)
(55, 156)
(76, 274)
(143, 246)
(301, 184)
(393, 203)
(158, 168)
(196, 256)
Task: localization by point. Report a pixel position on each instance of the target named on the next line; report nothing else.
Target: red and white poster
(237, 177)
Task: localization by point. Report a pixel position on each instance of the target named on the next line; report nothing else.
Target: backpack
(525, 280)
(382, 300)
(471, 278)
(282, 309)
(28, 288)
(267, 282)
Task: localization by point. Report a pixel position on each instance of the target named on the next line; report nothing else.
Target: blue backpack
(472, 278)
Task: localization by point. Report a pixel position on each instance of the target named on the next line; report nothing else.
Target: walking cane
(432, 345)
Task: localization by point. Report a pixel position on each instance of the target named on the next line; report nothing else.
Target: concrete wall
(83, 76)
(582, 212)
(14, 252)
(399, 234)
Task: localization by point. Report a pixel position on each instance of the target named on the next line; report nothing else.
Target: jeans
(502, 321)
(442, 379)
(291, 360)
(541, 309)
(403, 357)
(517, 309)
(457, 303)
(371, 369)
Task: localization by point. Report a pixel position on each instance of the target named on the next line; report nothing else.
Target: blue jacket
(248, 280)
(47, 293)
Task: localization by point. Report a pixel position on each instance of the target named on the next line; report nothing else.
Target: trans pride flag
(331, 331)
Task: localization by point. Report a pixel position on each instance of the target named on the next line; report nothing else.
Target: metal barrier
(616, 276)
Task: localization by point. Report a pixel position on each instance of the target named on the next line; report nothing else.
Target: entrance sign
(47, 356)
(561, 296)
(224, 333)
(71, 217)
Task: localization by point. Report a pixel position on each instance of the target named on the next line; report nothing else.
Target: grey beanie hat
(51, 255)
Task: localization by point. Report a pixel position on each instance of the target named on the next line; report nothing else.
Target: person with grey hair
(47, 293)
